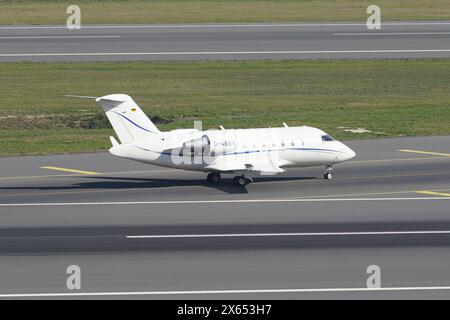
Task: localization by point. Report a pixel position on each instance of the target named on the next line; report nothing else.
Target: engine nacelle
(211, 144)
(197, 146)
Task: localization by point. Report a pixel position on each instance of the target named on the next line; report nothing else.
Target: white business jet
(245, 153)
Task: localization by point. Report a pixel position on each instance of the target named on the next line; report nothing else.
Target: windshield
(327, 138)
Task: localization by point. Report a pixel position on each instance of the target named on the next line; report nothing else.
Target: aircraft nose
(350, 154)
(347, 153)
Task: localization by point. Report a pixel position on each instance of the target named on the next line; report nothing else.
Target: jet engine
(211, 144)
(197, 146)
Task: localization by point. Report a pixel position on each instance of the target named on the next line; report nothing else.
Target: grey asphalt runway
(225, 42)
(139, 231)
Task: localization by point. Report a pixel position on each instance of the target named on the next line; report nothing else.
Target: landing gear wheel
(241, 181)
(328, 176)
(213, 177)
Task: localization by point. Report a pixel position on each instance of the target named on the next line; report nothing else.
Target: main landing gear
(242, 181)
(327, 174)
(213, 177)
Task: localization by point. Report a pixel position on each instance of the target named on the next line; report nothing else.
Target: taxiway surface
(163, 233)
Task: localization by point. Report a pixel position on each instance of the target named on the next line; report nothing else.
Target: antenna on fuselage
(285, 125)
(222, 128)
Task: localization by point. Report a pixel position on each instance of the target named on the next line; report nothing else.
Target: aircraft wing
(262, 164)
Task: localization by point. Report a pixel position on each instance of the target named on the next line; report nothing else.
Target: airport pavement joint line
(69, 170)
(201, 292)
(236, 201)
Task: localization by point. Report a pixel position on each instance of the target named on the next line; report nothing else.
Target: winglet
(285, 125)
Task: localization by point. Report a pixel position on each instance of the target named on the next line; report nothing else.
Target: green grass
(198, 11)
(388, 97)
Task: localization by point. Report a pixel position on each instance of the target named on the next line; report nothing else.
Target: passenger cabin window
(327, 138)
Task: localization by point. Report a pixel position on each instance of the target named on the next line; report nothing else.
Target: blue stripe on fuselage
(300, 149)
(254, 151)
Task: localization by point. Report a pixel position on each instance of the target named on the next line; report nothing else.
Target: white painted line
(60, 37)
(293, 234)
(243, 25)
(202, 292)
(242, 201)
(190, 53)
(390, 33)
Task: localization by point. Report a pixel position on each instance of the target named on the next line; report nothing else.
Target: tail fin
(128, 120)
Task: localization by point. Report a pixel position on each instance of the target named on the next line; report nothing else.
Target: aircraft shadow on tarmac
(106, 182)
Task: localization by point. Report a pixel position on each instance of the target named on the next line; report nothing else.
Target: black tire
(213, 178)
(328, 176)
(240, 181)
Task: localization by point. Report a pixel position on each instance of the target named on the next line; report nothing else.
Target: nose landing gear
(327, 174)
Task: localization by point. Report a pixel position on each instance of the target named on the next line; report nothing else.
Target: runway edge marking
(193, 53)
(200, 292)
(290, 234)
(231, 25)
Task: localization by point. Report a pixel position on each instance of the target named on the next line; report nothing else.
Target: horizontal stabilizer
(82, 97)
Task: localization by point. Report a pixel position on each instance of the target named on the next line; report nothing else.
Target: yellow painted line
(69, 170)
(426, 152)
(434, 193)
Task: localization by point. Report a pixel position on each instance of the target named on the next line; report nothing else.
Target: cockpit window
(327, 138)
